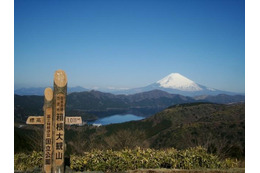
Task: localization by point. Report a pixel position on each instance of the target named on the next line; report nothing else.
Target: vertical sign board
(60, 92)
(54, 121)
(47, 140)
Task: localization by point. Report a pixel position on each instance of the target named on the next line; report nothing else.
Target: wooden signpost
(60, 92)
(48, 126)
(54, 121)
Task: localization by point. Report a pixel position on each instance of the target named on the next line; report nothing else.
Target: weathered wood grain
(48, 126)
(59, 104)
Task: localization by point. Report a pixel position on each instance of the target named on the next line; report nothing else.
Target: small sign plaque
(73, 120)
(35, 120)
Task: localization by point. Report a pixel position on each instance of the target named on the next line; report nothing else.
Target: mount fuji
(176, 83)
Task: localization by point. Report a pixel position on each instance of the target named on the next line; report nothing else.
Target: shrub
(26, 162)
(131, 159)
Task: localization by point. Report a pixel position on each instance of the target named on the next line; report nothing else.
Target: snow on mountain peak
(179, 82)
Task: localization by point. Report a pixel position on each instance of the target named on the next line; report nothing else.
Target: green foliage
(162, 125)
(28, 139)
(131, 159)
(26, 162)
(218, 128)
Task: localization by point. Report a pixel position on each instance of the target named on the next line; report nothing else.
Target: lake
(118, 118)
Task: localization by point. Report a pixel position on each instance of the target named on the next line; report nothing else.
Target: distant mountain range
(39, 91)
(96, 104)
(174, 83)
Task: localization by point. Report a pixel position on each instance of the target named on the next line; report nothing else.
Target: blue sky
(129, 43)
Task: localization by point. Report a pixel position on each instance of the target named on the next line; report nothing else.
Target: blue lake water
(116, 119)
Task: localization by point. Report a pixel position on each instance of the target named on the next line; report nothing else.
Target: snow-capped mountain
(176, 83)
(179, 82)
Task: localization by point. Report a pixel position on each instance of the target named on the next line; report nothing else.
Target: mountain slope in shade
(176, 83)
(93, 104)
(218, 128)
(221, 98)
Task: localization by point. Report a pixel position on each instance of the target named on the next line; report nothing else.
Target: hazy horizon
(107, 88)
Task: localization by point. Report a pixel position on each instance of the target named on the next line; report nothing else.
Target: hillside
(27, 105)
(219, 128)
(95, 104)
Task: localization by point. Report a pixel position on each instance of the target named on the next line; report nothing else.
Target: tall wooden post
(54, 121)
(48, 126)
(59, 94)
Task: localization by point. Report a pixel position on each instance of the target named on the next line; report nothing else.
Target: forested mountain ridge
(95, 104)
(217, 127)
